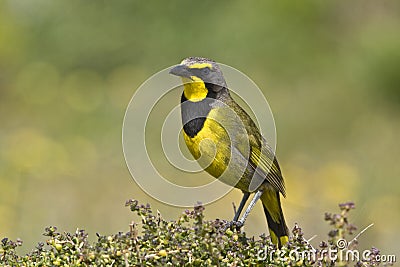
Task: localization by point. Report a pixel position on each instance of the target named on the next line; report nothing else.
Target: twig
(360, 233)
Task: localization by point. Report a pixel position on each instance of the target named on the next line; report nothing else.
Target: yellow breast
(211, 146)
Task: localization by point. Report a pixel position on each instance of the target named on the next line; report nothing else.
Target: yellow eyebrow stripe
(200, 66)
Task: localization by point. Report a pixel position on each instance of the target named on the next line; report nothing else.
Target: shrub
(188, 241)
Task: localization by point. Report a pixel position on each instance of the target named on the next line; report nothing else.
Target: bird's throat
(194, 89)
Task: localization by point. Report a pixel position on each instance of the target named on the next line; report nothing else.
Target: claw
(233, 225)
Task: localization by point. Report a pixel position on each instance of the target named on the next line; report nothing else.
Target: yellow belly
(211, 147)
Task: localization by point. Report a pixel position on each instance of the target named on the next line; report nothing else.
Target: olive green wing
(265, 164)
(262, 158)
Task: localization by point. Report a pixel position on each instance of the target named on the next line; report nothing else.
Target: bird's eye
(206, 71)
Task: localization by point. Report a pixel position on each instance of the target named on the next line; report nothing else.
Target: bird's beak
(181, 71)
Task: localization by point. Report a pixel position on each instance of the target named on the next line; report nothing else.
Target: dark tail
(276, 222)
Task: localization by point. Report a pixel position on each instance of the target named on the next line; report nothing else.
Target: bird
(227, 143)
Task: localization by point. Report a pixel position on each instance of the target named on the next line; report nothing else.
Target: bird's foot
(233, 225)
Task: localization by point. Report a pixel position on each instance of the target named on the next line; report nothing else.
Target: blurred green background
(330, 71)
